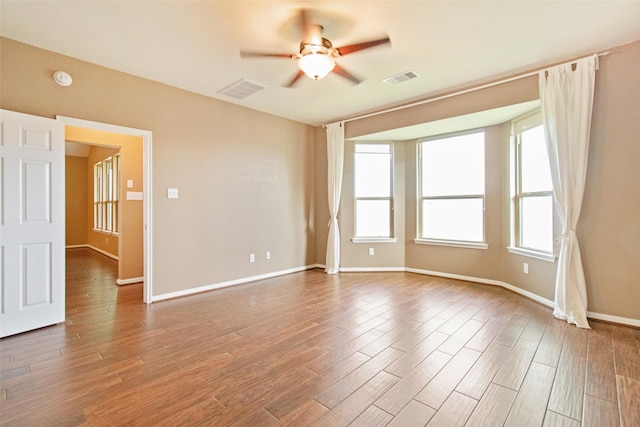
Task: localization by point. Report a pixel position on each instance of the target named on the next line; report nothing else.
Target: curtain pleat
(335, 160)
(566, 97)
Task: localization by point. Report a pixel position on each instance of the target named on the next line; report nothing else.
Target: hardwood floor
(360, 349)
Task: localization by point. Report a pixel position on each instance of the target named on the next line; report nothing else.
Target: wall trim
(371, 269)
(527, 294)
(530, 295)
(103, 252)
(226, 284)
(613, 319)
(129, 281)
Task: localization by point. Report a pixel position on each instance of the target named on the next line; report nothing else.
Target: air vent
(241, 89)
(399, 78)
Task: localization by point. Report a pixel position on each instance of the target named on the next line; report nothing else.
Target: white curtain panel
(566, 96)
(335, 161)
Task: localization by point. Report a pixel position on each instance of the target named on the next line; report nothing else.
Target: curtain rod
(468, 90)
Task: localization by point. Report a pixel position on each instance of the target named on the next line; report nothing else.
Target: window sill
(532, 254)
(111, 233)
(374, 240)
(468, 245)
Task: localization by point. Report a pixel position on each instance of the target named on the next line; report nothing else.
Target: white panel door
(32, 252)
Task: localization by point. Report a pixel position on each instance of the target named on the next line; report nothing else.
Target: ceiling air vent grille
(399, 78)
(241, 89)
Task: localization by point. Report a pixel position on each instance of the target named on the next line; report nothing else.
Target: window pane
(109, 219)
(98, 183)
(116, 177)
(453, 219)
(535, 173)
(537, 223)
(453, 165)
(373, 218)
(373, 175)
(115, 218)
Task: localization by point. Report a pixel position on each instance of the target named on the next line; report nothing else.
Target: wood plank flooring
(360, 349)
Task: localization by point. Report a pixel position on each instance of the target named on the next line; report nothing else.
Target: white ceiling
(194, 45)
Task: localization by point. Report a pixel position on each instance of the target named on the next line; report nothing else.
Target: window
(373, 186)
(533, 199)
(451, 190)
(105, 194)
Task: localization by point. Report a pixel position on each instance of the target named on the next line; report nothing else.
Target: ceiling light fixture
(316, 60)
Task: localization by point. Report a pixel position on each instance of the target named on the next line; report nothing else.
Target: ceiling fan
(316, 57)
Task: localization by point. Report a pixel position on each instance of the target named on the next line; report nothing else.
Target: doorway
(144, 196)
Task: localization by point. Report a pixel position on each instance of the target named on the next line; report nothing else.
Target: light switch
(172, 193)
(129, 183)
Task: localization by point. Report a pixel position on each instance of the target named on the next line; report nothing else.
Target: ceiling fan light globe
(316, 65)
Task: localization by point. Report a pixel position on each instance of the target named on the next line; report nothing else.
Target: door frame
(147, 190)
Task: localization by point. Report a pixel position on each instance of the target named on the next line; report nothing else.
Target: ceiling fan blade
(305, 25)
(295, 79)
(345, 50)
(310, 32)
(344, 73)
(251, 54)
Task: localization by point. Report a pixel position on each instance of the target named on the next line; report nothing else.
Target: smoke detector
(62, 78)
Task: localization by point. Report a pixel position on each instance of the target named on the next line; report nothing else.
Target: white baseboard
(613, 319)
(530, 295)
(76, 246)
(527, 294)
(112, 256)
(372, 269)
(105, 253)
(130, 281)
(241, 281)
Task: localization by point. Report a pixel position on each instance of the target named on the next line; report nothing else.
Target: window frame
(106, 195)
(420, 198)
(520, 124)
(374, 239)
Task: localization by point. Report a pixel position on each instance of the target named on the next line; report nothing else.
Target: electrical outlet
(268, 255)
(252, 257)
(525, 268)
(372, 251)
(172, 193)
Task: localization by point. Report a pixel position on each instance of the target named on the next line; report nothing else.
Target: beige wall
(609, 229)
(246, 178)
(75, 200)
(514, 92)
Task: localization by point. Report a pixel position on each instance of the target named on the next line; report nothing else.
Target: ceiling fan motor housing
(308, 47)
